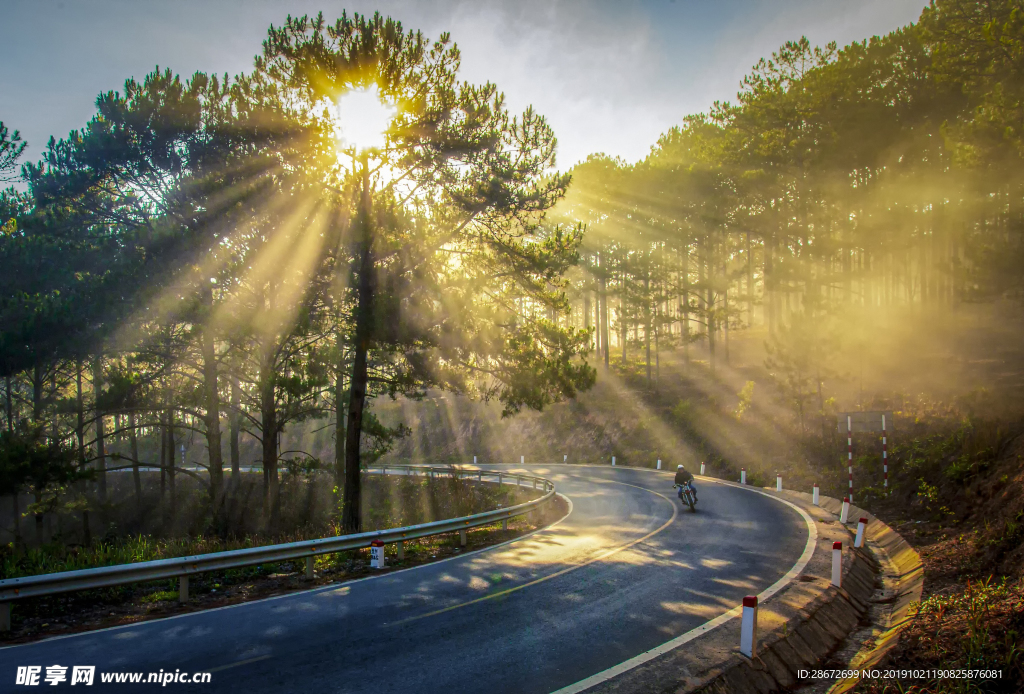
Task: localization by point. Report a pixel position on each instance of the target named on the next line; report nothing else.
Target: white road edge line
(626, 666)
(308, 591)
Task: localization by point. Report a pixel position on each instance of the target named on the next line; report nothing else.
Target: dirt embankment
(971, 542)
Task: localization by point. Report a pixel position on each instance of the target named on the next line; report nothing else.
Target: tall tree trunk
(236, 426)
(750, 284)
(101, 455)
(605, 328)
(352, 509)
(269, 426)
(133, 439)
(212, 418)
(339, 415)
(80, 435)
(163, 456)
(647, 326)
(16, 518)
(40, 536)
(623, 329)
(9, 402)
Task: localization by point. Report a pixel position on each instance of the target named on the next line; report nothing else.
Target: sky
(609, 75)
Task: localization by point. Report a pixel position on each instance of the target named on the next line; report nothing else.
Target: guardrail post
(504, 524)
(859, 540)
(401, 549)
(5, 616)
(500, 476)
(534, 482)
(519, 480)
(462, 537)
(837, 563)
(309, 567)
(814, 495)
(479, 475)
(183, 588)
(748, 628)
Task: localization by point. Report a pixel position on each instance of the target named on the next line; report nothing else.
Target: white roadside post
(474, 460)
(743, 475)
(861, 525)
(702, 468)
(565, 458)
(659, 464)
(748, 629)
(778, 482)
(377, 554)
(844, 515)
(837, 563)
(613, 461)
(522, 460)
(814, 496)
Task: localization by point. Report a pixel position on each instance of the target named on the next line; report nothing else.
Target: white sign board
(864, 421)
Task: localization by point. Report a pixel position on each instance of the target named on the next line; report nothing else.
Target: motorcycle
(687, 496)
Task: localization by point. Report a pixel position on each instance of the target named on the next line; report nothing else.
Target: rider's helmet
(679, 467)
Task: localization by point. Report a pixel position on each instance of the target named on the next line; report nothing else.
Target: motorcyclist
(684, 477)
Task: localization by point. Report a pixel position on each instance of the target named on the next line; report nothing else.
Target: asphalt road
(627, 570)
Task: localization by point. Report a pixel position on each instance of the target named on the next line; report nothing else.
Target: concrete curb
(906, 563)
(807, 640)
(803, 641)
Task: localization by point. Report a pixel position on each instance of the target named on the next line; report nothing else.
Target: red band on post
(837, 545)
(377, 543)
(750, 601)
(864, 521)
(846, 499)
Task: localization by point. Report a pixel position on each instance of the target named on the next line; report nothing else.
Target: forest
(203, 263)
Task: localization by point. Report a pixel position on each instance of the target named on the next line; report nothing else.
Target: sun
(362, 119)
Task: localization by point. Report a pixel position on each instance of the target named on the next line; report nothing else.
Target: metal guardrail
(183, 567)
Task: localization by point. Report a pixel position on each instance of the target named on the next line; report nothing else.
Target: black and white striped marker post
(748, 628)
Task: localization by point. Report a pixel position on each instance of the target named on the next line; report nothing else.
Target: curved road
(626, 571)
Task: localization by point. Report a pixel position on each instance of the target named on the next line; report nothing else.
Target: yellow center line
(600, 557)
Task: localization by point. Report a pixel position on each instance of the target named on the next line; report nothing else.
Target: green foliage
(746, 398)
(11, 149)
